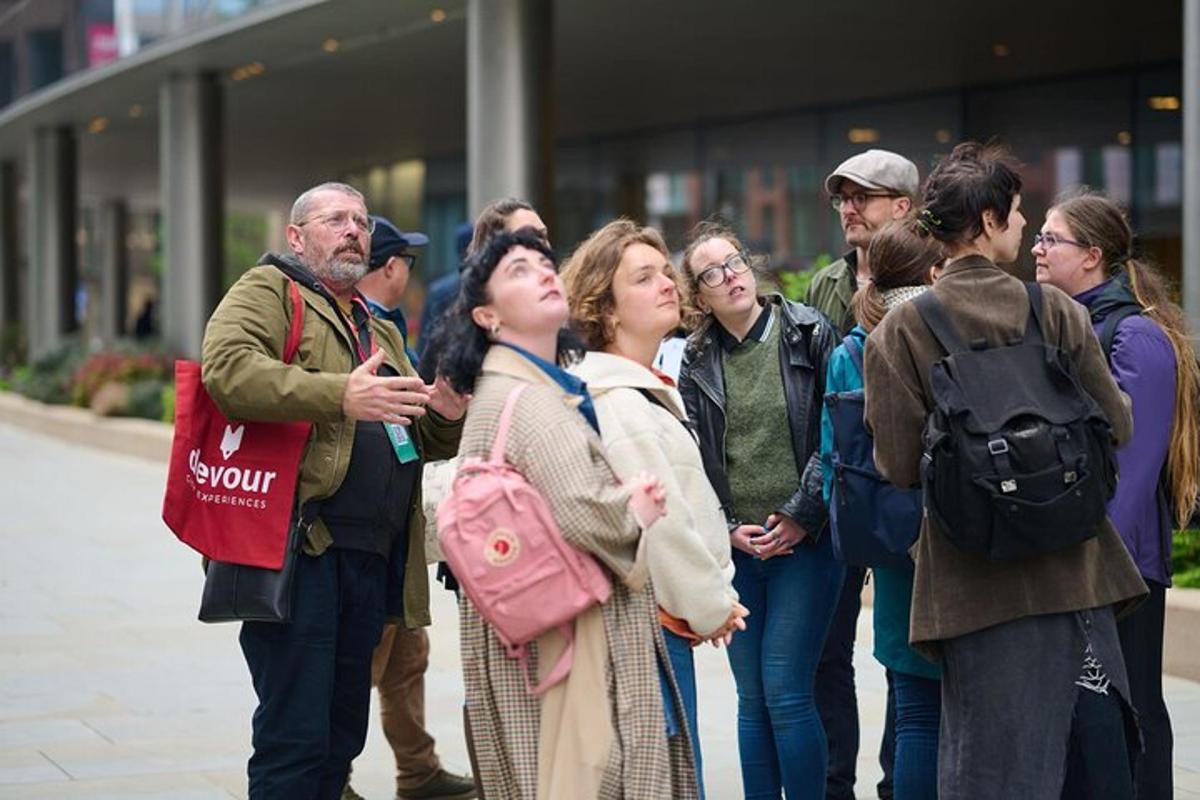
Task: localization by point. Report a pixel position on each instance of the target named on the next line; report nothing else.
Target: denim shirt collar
(569, 383)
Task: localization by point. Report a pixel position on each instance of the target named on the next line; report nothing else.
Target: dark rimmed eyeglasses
(856, 199)
(1048, 240)
(714, 276)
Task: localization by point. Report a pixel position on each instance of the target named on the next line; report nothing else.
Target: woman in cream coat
(624, 299)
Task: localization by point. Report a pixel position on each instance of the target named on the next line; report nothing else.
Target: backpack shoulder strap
(854, 348)
(296, 327)
(934, 314)
(1033, 324)
(501, 439)
(1108, 330)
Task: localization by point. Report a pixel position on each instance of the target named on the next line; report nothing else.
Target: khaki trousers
(398, 672)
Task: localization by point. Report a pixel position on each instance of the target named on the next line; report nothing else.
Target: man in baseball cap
(390, 264)
(867, 190)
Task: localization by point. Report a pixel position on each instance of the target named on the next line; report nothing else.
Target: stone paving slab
(110, 688)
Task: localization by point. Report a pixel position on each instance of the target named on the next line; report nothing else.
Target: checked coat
(552, 445)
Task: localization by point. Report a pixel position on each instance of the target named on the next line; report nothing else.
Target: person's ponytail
(1183, 455)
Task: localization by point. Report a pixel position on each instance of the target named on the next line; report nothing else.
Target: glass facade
(1113, 131)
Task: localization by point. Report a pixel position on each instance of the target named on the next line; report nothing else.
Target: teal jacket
(893, 587)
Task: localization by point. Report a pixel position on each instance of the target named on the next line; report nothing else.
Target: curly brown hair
(694, 316)
(588, 277)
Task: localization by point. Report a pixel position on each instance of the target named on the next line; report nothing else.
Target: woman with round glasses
(752, 383)
(1085, 248)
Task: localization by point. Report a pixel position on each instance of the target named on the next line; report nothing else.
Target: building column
(10, 278)
(114, 268)
(510, 114)
(1191, 162)
(53, 273)
(192, 191)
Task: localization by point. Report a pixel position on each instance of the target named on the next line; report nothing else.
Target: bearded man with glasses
(358, 496)
(867, 190)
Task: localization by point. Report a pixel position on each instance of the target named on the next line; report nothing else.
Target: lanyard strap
(358, 326)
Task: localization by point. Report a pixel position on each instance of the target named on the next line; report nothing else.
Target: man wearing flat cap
(867, 190)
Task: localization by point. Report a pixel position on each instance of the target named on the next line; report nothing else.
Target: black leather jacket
(806, 339)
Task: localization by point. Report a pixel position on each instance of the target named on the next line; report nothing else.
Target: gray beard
(341, 275)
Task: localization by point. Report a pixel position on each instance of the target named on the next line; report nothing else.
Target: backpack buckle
(1008, 486)
(998, 447)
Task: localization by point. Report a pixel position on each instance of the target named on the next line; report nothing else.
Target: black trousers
(837, 700)
(313, 677)
(1098, 762)
(1141, 636)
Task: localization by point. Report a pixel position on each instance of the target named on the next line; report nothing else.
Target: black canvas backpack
(1018, 458)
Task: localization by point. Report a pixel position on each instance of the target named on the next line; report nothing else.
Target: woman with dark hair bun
(599, 733)
(1085, 248)
(1034, 693)
(902, 261)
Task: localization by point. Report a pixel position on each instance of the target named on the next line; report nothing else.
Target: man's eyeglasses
(1048, 240)
(338, 220)
(407, 258)
(857, 199)
(714, 276)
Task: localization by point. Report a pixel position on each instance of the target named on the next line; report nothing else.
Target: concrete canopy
(394, 87)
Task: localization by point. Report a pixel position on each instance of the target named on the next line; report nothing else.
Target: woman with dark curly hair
(601, 732)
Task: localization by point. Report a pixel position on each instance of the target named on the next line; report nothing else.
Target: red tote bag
(231, 486)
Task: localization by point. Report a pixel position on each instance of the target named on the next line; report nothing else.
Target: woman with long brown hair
(1085, 248)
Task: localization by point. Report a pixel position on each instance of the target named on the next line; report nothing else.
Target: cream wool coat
(686, 551)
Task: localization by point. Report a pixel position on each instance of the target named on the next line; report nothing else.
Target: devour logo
(231, 441)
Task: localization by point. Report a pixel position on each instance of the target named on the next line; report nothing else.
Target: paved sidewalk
(109, 688)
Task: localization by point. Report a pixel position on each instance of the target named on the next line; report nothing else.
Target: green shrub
(168, 403)
(119, 366)
(1185, 556)
(48, 379)
(794, 283)
(146, 398)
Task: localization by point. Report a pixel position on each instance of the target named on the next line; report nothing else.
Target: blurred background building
(150, 149)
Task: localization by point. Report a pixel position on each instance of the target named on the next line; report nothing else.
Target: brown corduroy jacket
(954, 592)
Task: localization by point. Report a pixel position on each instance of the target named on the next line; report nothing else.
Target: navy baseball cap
(388, 240)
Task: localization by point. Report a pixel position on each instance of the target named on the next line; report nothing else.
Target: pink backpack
(501, 540)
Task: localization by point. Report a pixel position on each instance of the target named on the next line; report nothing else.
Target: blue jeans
(313, 677)
(780, 737)
(918, 717)
(679, 650)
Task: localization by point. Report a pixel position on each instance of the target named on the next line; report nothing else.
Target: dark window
(45, 57)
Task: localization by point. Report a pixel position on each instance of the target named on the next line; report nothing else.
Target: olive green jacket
(242, 371)
(832, 289)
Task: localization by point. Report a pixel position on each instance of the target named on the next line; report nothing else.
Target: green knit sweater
(758, 444)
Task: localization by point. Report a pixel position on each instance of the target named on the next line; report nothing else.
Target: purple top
(1143, 364)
